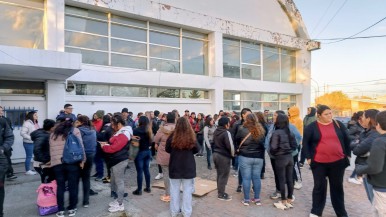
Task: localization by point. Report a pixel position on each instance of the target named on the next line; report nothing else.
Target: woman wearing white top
(208, 139)
(30, 124)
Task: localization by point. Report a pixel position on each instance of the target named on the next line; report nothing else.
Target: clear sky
(350, 61)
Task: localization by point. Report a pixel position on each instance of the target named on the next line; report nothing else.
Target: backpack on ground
(46, 201)
(73, 150)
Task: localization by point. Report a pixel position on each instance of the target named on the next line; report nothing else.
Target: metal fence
(17, 115)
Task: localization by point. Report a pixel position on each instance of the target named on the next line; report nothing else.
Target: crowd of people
(233, 140)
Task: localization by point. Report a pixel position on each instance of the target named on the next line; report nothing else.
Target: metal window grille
(17, 115)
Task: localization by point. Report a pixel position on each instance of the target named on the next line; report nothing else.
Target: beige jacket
(26, 130)
(160, 139)
(57, 146)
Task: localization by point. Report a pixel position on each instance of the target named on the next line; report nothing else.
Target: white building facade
(201, 55)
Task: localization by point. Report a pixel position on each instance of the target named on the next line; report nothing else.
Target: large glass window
(129, 91)
(21, 87)
(22, 23)
(194, 56)
(271, 71)
(231, 58)
(288, 66)
(164, 93)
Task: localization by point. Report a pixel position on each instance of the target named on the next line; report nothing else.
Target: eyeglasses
(69, 108)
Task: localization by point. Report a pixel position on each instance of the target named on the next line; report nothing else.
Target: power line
(332, 18)
(359, 82)
(360, 37)
(321, 18)
(358, 32)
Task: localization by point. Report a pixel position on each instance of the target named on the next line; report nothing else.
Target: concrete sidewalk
(20, 199)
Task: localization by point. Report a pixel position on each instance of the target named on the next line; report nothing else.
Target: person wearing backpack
(69, 172)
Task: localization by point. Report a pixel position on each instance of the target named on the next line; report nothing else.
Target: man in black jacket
(8, 152)
(6, 141)
(223, 151)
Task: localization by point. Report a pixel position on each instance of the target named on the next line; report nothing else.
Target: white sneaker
(359, 179)
(30, 172)
(280, 205)
(114, 203)
(298, 185)
(354, 181)
(117, 208)
(159, 176)
(313, 215)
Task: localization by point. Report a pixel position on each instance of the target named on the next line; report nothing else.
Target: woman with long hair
(209, 129)
(117, 155)
(261, 119)
(142, 161)
(251, 154)
(199, 130)
(65, 172)
(282, 144)
(182, 146)
(88, 133)
(103, 136)
(30, 124)
(327, 148)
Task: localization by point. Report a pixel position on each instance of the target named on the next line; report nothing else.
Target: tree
(337, 101)
(194, 94)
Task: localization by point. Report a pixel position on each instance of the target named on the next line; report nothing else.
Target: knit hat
(100, 113)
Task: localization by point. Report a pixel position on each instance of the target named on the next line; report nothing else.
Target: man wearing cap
(66, 114)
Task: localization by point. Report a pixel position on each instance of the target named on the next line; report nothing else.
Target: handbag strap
(242, 142)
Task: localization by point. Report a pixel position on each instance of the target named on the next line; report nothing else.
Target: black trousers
(223, 168)
(273, 164)
(46, 174)
(8, 154)
(3, 171)
(334, 172)
(69, 173)
(85, 176)
(284, 165)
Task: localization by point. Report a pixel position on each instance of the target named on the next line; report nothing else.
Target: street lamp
(317, 84)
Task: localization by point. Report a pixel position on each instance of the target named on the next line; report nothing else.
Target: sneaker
(137, 192)
(114, 203)
(60, 214)
(245, 202)
(117, 208)
(280, 205)
(289, 205)
(86, 205)
(209, 167)
(165, 198)
(298, 185)
(92, 192)
(106, 180)
(113, 194)
(359, 179)
(354, 181)
(71, 212)
(275, 195)
(256, 201)
(159, 176)
(98, 179)
(30, 172)
(313, 215)
(225, 197)
(238, 189)
(11, 177)
(147, 190)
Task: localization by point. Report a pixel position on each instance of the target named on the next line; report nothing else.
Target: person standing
(6, 141)
(223, 151)
(309, 118)
(30, 124)
(327, 149)
(209, 129)
(199, 130)
(66, 114)
(182, 146)
(376, 167)
(8, 152)
(162, 156)
(294, 119)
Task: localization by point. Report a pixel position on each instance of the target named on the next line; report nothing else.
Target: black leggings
(284, 165)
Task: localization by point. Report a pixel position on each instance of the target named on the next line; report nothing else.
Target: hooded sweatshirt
(118, 148)
(160, 139)
(309, 118)
(89, 139)
(295, 119)
(223, 143)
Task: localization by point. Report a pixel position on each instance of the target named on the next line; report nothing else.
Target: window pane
(125, 32)
(164, 52)
(232, 106)
(164, 65)
(194, 35)
(293, 98)
(128, 61)
(271, 49)
(251, 72)
(164, 39)
(128, 47)
(129, 91)
(250, 56)
(230, 41)
(29, 3)
(92, 89)
(231, 60)
(288, 68)
(194, 56)
(86, 25)
(195, 94)
(251, 96)
(91, 57)
(254, 106)
(128, 21)
(270, 97)
(21, 27)
(286, 105)
(288, 52)
(271, 67)
(86, 41)
(271, 105)
(164, 93)
(21, 87)
(85, 13)
(231, 96)
(163, 28)
(251, 45)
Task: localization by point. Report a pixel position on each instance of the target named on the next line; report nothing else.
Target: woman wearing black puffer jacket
(41, 150)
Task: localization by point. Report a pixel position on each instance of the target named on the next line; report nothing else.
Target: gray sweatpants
(118, 179)
(165, 171)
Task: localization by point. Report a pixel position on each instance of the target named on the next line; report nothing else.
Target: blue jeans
(369, 189)
(188, 189)
(250, 169)
(209, 154)
(29, 150)
(142, 164)
(98, 160)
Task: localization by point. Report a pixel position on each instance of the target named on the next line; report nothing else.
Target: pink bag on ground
(47, 203)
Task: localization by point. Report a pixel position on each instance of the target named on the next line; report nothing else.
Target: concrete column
(303, 75)
(215, 54)
(55, 91)
(217, 96)
(54, 34)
